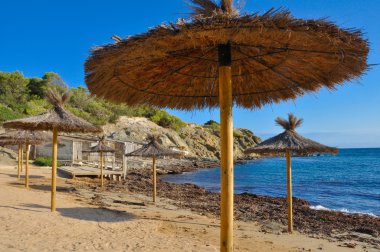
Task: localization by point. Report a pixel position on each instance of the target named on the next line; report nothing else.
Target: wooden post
(124, 164)
(22, 157)
(154, 180)
(74, 152)
(54, 170)
(101, 168)
(19, 161)
(27, 147)
(226, 142)
(289, 189)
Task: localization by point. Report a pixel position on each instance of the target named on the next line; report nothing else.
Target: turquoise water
(348, 182)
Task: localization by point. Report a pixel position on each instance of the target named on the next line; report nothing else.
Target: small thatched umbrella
(57, 119)
(290, 142)
(21, 137)
(101, 148)
(218, 58)
(154, 149)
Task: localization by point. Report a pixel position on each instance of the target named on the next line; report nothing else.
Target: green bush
(212, 125)
(8, 114)
(44, 161)
(237, 134)
(166, 120)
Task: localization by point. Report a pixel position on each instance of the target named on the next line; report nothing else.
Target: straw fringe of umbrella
(153, 149)
(57, 119)
(264, 48)
(290, 142)
(20, 138)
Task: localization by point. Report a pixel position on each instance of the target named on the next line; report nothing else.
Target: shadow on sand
(42, 187)
(19, 208)
(89, 213)
(23, 176)
(48, 188)
(96, 214)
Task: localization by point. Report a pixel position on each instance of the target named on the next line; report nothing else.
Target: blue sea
(348, 182)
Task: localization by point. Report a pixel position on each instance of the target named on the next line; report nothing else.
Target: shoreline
(269, 212)
(170, 170)
(317, 207)
(121, 216)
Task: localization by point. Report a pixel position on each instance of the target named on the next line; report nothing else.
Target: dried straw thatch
(57, 118)
(275, 57)
(290, 140)
(154, 149)
(100, 147)
(16, 137)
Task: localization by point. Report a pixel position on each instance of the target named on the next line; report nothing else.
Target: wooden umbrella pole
(226, 141)
(19, 161)
(154, 179)
(54, 170)
(27, 165)
(101, 168)
(289, 189)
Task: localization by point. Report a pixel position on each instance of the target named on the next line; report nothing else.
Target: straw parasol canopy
(290, 142)
(220, 58)
(101, 148)
(21, 137)
(57, 119)
(153, 149)
(24, 136)
(275, 57)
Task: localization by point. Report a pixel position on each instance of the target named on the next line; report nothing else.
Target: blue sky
(40, 36)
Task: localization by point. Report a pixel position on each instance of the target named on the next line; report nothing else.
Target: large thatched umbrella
(57, 119)
(153, 149)
(218, 58)
(101, 148)
(21, 137)
(290, 142)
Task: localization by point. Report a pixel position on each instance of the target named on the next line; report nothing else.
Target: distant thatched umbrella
(57, 119)
(154, 149)
(20, 137)
(101, 148)
(290, 142)
(218, 58)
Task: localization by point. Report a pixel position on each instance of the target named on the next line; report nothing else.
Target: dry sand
(28, 225)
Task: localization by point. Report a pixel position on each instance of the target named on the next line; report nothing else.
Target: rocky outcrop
(198, 140)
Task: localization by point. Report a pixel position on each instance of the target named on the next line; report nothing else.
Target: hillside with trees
(22, 96)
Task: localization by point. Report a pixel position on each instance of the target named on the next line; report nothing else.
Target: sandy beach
(95, 220)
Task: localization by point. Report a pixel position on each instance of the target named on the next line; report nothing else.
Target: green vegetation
(212, 125)
(21, 97)
(166, 120)
(44, 161)
(237, 134)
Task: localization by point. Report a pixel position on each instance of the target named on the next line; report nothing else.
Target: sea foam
(342, 210)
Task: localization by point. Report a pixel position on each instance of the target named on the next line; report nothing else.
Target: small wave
(342, 210)
(320, 207)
